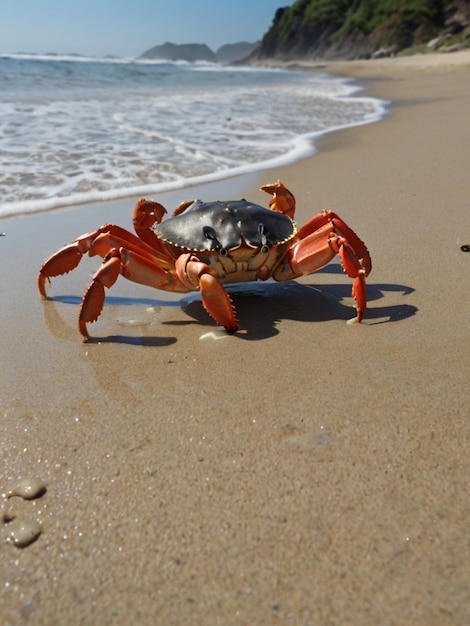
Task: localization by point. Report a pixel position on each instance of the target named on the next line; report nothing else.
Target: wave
(80, 58)
(304, 148)
(92, 131)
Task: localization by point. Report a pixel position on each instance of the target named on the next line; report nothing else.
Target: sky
(129, 27)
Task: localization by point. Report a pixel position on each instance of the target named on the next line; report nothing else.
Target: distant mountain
(231, 52)
(327, 29)
(180, 52)
(200, 52)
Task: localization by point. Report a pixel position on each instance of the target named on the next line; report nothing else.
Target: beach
(302, 471)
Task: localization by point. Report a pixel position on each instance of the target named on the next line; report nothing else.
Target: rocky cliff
(362, 28)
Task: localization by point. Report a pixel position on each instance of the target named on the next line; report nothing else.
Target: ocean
(76, 130)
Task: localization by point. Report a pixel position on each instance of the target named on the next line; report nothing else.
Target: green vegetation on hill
(352, 28)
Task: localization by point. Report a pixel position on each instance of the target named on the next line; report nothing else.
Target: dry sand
(306, 472)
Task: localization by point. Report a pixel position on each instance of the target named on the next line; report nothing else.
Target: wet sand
(304, 471)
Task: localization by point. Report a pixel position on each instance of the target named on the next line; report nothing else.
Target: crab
(205, 245)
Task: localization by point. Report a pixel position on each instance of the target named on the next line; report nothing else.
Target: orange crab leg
(353, 268)
(131, 265)
(307, 256)
(141, 270)
(217, 303)
(108, 240)
(93, 300)
(196, 274)
(98, 242)
(321, 238)
(336, 224)
(312, 252)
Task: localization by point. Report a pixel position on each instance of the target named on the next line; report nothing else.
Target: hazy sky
(128, 27)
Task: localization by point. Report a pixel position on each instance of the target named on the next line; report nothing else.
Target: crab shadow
(260, 308)
(62, 330)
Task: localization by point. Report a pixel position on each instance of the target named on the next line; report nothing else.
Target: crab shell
(236, 238)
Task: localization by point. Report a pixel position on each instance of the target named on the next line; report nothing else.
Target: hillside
(364, 28)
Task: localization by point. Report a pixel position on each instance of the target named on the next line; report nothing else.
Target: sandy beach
(303, 471)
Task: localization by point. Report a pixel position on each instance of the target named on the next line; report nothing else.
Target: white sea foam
(76, 130)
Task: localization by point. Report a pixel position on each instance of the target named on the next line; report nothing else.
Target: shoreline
(304, 470)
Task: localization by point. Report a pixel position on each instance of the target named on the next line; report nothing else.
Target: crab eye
(264, 241)
(261, 231)
(209, 233)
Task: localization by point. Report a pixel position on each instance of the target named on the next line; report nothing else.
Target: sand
(303, 472)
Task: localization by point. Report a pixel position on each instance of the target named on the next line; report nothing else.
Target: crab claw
(66, 259)
(61, 262)
(146, 213)
(283, 200)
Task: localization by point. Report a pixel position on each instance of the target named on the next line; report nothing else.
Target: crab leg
(132, 266)
(93, 300)
(196, 274)
(321, 238)
(337, 225)
(217, 303)
(98, 242)
(353, 268)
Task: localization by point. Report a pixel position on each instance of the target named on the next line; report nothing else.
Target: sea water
(76, 130)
